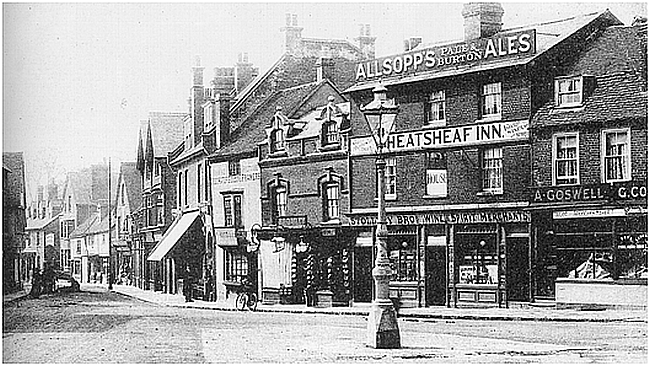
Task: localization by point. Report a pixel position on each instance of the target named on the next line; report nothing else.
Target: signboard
(592, 192)
(439, 138)
(577, 214)
(241, 178)
(293, 222)
(436, 183)
(429, 218)
(225, 236)
(328, 232)
(438, 58)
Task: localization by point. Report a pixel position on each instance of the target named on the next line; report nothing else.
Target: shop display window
(403, 259)
(477, 259)
(236, 266)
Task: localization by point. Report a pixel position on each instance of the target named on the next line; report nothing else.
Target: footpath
(516, 312)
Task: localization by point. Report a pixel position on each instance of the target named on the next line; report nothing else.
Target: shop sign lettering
(577, 214)
(241, 178)
(437, 182)
(479, 134)
(586, 193)
(439, 58)
(292, 221)
(445, 218)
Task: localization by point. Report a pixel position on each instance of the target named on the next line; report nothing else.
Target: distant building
(13, 219)
(90, 248)
(127, 201)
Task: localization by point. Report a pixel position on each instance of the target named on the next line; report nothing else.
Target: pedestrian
(209, 286)
(187, 284)
(37, 284)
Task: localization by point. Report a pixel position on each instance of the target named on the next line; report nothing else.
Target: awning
(173, 234)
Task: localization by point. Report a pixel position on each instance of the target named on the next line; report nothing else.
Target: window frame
(331, 132)
(485, 94)
(554, 158)
(278, 209)
(232, 212)
(234, 167)
(440, 99)
(331, 206)
(277, 144)
(627, 157)
(236, 265)
(485, 170)
(558, 94)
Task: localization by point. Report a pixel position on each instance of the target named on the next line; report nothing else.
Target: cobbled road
(104, 327)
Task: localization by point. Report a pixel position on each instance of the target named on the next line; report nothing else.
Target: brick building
(459, 160)
(159, 135)
(235, 173)
(589, 191)
(13, 219)
(89, 244)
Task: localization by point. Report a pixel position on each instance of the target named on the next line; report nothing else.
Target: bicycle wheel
(241, 301)
(252, 302)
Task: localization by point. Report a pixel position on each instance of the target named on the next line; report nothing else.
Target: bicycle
(247, 298)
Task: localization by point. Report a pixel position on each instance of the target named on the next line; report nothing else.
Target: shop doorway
(363, 274)
(518, 261)
(435, 278)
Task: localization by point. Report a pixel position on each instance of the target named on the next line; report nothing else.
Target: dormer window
(568, 91)
(436, 109)
(277, 140)
(330, 133)
(208, 120)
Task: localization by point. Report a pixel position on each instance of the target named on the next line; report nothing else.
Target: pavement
(518, 312)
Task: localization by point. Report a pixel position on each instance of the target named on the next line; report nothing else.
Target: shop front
(450, 258)
(304, 264)
(595, 250)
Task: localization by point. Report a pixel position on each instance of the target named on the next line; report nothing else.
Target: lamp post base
(383, 331)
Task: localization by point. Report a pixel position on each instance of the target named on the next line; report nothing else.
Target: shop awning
(173, 234)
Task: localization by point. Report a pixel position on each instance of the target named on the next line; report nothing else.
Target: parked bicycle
(246, 298)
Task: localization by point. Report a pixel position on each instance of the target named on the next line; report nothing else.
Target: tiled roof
(98, 226)
(35, 224)
(548, 34)
(603, 104)
(82, 229)
(165, 133)
(133, 183)
(187, 153)
(251, 132)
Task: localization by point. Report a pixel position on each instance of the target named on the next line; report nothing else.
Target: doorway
(363, 274)
(435, 279)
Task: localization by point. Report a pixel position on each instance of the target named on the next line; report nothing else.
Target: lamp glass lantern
(383, 331)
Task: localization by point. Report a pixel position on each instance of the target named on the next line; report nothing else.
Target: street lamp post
(383, 331)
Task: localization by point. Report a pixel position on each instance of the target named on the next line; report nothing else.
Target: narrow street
(103, 327)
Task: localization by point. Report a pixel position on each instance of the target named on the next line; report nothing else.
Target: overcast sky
(78, 78)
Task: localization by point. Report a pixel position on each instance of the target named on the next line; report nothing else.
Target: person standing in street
(187, 284)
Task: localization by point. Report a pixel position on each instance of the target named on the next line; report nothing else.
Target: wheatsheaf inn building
(517, 164)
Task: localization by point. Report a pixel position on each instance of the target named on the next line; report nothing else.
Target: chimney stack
(197, 98)
(411, 43)
(366, 42)
(324, 69)
(482, 20)
(292, 33)
(244, 72)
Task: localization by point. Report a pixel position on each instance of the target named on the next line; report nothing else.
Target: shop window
(332, 198)
(232, 210)
(616, 155)
(234, 168)
(565, 159)
(492, 168)
(403, 259)
(436, 109)
(277, 140)
(491, 101)
(568, 91)
(391, 178)
(477, 259)
(236, 266)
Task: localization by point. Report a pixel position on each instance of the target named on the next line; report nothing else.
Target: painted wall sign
(241, 178)
(594, 192)
(437, 58)
(479, 134)
(577, 214)
(444, 218)
(436, 183)
(292, 221)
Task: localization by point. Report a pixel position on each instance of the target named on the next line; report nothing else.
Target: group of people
(209, 293)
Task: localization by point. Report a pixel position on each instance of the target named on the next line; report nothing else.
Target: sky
(78, 77)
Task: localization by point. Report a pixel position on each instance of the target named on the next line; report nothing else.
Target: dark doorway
(517, 271)
(435, 265)
(363, 274)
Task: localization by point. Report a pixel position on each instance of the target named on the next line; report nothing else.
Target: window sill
(488, 193)
(330, 147)
(569, 108)
(435, 124)
(278, 154)
(612, 181)
(434, 197)
(490, 118)
(387, 198)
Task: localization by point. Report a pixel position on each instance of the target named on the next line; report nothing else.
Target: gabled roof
(83, 228)
(98, 226)
(80, 183)
(164, 133)
(548, 35)
(37, 224)
(131, 176)
(251, 132)
(616, 62)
